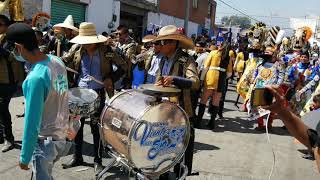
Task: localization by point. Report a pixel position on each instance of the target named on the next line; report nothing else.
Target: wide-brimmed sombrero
(68, 23)
(171, 32)
(88, 35)
(148, 38)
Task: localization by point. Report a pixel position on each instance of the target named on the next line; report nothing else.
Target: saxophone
(15, 9)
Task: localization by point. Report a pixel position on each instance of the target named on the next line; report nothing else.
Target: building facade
(201, 13)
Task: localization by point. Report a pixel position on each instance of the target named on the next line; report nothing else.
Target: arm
(122, 67)
(34, 92)
(310, 85)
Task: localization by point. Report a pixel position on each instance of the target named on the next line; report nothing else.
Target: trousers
(94, 119)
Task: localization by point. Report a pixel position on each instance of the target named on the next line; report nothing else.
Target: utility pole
(187, 14)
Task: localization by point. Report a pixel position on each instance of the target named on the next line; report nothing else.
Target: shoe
(7, 146)
(1, 139)
(220, 116)
(97, 168)
(74, 162)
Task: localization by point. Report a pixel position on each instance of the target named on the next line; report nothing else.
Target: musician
(46, 93)
(126, 47)
(11, 74)
(63, 33)
(179, 69)
(153, 61)
(91, 58)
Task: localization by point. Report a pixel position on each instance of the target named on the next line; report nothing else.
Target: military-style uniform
(108, 58)
(127, 51)
(184, 66)
(76, 59)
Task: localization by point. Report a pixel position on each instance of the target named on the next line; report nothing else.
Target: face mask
(19, 57)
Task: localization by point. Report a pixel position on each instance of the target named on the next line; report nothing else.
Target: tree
(241, 21)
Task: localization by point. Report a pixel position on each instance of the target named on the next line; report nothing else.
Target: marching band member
(93, 59)
(178, 68)
(126, 47)
(64, 32)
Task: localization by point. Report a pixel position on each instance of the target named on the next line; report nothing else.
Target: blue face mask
(19, 57)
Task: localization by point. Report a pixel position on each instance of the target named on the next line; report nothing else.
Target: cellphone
(261, 97)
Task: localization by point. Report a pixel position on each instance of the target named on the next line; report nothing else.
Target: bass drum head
(159, 140)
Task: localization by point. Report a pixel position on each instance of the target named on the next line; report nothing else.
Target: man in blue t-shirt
(46, 103)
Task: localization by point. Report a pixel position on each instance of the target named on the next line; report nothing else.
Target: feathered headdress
(41, 21)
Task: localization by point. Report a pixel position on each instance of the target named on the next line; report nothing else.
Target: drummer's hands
(278, 105)
(23, 166)
(165, 81)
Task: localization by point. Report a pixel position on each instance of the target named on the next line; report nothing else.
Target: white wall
(100, 12)
(163, 20)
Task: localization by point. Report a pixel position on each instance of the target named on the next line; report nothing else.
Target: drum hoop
(90, 90)
(179, 156)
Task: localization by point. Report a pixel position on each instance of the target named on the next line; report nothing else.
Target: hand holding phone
(261, 97)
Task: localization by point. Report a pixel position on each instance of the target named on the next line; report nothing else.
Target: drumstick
(91, 77)
(96, 80)
(71, 70)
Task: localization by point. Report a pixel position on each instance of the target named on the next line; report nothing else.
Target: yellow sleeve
(209, 58)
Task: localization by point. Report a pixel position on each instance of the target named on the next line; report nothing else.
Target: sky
(271, 12)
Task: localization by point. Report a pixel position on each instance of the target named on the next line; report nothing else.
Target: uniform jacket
(184, 66)
(8, 65)
(108, 57)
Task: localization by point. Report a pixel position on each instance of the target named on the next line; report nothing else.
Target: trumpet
(142, 56)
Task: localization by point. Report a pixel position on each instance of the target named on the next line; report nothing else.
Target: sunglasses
(2, 24)
(163, 42)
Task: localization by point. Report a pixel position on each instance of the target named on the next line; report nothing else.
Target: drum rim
(90, 90)
(179, 156)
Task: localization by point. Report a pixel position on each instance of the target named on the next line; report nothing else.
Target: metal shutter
(60, 9)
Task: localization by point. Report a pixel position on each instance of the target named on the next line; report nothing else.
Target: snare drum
(83, 101)
(152, 136)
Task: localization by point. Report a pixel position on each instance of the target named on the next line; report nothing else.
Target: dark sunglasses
(3, 24)
(163, 42)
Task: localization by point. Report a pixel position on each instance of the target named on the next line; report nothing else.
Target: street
(234, 151)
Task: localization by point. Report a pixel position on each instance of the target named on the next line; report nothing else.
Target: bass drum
(152, 136)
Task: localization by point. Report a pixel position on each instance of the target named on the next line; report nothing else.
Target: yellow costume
(247, 78)
(216, 69)
(240, 63)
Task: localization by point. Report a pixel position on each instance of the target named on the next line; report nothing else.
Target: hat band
(87, 32)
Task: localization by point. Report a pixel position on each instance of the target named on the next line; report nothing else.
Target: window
(195, 3)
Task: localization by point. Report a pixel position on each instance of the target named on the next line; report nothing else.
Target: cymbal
(159, 91)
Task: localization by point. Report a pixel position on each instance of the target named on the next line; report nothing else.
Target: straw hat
(68, 23)
(88, 35)
(171, 32)
(148, 38)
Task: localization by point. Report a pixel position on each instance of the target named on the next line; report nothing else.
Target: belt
(218, 69)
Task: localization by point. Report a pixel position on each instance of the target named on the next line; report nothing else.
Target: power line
(239, 11)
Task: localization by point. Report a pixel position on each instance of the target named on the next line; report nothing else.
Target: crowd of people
(262, 59)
